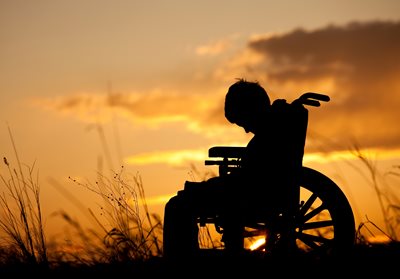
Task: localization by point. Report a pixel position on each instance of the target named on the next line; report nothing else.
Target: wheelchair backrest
(290, 121)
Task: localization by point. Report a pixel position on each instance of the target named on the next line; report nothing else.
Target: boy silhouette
(268, 168)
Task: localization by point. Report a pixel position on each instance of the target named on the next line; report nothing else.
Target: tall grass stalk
(21, 217)
(131, 232)
(128, 231)
(388, 201)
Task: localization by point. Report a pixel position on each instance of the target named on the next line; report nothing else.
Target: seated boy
(262, 178)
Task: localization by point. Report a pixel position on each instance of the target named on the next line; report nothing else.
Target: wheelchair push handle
(312, 99)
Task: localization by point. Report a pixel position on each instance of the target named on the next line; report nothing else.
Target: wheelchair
(316, 221)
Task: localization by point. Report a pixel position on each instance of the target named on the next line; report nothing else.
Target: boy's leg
(233, 236)
(180, 233)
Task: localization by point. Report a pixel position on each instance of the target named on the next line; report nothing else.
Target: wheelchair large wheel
(324, 224)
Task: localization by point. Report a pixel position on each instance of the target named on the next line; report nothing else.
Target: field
(133, 247)
(378, 259)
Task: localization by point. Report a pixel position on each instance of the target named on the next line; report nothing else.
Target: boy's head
(245, 104)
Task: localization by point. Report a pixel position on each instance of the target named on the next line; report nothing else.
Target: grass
(131, 232)
(388, 199)
(130, 237)
(128, 233)
(21, 218)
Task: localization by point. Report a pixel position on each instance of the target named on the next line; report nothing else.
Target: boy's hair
(243, 97)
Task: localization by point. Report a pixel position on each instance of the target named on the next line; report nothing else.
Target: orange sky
(141, 84)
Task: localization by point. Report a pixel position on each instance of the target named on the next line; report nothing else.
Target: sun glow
(256, 244)
(175, 158)
(348, 155)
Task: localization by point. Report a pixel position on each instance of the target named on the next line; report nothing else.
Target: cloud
(358, 65)
(172, 157)
(176, 158)
(220, 47)
(149, 108)
(215, 47)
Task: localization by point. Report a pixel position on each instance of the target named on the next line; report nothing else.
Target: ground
(365, 261)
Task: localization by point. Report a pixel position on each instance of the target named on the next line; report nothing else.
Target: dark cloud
(362, 61)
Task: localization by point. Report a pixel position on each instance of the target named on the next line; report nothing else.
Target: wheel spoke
(256, 226)
(311, 240)
(308, 241)
(317, 224)
(313, 213)
(253, 233)
(308, 204)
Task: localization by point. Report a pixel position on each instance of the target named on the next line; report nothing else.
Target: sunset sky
(95, 85)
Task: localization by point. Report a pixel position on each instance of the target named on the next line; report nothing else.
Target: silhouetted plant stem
(24, 230)
(382, 197)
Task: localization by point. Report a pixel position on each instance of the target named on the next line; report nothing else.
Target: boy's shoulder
(281, 105)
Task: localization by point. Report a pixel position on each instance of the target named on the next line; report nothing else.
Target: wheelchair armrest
(225, 162)
(230, 155)
(226, 151)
